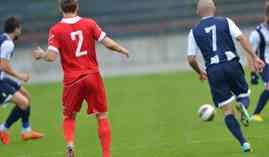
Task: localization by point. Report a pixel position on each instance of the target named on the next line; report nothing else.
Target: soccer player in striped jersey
(11, 90)
(259, 39)
(214, 37)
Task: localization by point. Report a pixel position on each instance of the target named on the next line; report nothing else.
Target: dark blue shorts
(265, 74)
(8, 88)
(226, 80)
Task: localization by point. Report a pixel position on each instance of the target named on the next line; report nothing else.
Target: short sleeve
(53, 41)
(6, 49)
(193, 49)
(254, 39)
(98, 33)
(234, 30)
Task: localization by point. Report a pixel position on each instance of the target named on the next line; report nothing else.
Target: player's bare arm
(6, 67)
(254, 61)
(195, 66)
(114, 46)
(48, 55)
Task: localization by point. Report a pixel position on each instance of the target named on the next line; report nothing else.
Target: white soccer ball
(206, 112)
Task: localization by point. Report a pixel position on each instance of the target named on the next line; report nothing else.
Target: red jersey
(75, 40)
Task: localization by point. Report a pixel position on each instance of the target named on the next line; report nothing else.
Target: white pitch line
(223, 140)
(50, 154)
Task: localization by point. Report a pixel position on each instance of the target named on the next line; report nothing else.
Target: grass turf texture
(152, 116)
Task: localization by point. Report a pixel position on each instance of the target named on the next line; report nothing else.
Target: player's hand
(24, 77)
(38, 53)
(203, 76)
(254, 78)
(258, 64)
(126, 53)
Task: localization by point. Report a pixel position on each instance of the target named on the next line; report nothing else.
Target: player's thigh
(237, 80)
(16, 85)
(9, 94)
(95, 94)
(219, 87)
(25, 92)
(72, 99)
(20, 100)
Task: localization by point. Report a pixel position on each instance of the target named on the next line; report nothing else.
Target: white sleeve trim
(102, 37)
(193, 49)
(6, 49)
(234, 30)
(254, 39)
(54, 49)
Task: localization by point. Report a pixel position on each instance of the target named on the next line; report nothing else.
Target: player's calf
(69, 129)
(104, 133)
(264, 97)
(69, 132)
(232, 124)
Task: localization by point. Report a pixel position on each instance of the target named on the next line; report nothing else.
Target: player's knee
(101, 115)
(25, 93)
(25, 102)
(69, 116)
(227, 110)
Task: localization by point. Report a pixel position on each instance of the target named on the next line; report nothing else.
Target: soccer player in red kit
(73, 38)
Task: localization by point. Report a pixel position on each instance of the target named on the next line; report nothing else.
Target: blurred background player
(213, 37)
(73, 38)
(10, 89)
(259, 39)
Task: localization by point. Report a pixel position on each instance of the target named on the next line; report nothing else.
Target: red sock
(104, 136)
(69, 130)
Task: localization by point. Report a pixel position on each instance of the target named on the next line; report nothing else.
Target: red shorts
(90, 88)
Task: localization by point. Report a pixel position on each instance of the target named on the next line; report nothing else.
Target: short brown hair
(68, 6)
(11, 24)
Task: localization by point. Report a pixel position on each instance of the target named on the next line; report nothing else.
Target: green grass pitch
(152, 116)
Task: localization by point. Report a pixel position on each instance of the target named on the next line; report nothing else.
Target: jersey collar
(206, 17)
(71, 20)
(9, 38)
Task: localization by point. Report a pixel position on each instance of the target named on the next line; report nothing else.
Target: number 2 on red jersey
(78, 34)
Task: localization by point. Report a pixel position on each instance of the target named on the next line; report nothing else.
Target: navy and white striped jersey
(214, 38)
(259, 39)
(7, 47)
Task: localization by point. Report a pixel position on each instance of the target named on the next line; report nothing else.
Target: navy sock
(262, 101)
(245, 101)
(25, 114)
(13, 117)
(234, 127)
